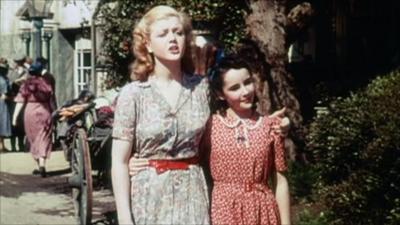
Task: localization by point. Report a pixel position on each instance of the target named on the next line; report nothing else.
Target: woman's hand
(137, 164)
(14, 122)
(284, 127)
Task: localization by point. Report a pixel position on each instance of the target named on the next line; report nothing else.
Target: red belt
(162, 165)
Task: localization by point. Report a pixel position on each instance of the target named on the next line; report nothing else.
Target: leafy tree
(273, 26)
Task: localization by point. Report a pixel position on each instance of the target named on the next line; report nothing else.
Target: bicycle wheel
(81, 179)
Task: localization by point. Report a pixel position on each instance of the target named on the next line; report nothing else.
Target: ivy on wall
(223, 19)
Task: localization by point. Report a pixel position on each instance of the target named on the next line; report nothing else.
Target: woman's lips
(174, 49)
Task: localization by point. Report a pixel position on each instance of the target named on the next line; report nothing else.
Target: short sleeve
(125, 113)
(279, 148)
(35, 89)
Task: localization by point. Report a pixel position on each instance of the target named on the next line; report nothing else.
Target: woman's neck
(245, 114)
(168, 70)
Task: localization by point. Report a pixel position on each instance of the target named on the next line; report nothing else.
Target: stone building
(65, 39)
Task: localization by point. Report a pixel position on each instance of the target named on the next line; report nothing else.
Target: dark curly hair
(216, 80)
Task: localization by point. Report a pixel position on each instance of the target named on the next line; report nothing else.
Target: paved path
(28, 199)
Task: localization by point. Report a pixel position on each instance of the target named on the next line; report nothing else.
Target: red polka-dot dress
(244, 153)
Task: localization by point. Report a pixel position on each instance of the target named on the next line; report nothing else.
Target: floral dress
(244, 153)
(159, 131)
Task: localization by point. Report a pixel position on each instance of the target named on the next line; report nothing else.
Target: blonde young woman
(161, 117)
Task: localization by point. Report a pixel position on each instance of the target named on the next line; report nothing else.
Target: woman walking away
(36, 94)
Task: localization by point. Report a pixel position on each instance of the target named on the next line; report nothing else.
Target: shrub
(355, 144)
(301, 179)
(308, 218)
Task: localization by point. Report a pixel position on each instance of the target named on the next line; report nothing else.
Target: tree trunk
(266, 24)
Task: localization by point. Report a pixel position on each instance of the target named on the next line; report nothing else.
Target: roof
(34, 9)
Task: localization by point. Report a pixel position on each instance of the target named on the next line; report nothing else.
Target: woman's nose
(172, 36)
(245, 90)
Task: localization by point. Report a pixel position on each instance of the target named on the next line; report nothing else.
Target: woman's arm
(283, 198)
(17, 110)
(121, 151)
(21, 79)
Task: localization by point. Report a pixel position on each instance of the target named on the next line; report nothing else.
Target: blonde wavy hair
(144, 62)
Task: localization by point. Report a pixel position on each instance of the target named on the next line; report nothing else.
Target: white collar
(235, 122)
(244, 137)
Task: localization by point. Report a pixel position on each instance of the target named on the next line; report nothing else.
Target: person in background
(49, 77)
(36, 93)
(161, 117)
(17, 77)
(22, 64)
(5, 121)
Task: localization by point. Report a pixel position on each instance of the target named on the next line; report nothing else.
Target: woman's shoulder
(134, 87)
(213, 117)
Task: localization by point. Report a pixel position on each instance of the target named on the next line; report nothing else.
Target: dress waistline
(247, 186)
(162, 165)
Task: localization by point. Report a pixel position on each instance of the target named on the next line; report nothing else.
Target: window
(82, 77)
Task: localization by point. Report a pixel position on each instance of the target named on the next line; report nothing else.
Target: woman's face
(167, 39)
(238, 90)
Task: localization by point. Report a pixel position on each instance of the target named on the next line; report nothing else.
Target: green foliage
(355, 144)
(225, 20)
(302, 178)
(307, 218)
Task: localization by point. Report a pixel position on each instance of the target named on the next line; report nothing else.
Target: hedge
(355, 144)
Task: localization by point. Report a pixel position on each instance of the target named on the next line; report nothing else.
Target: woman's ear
(148, 46)
(220, 95)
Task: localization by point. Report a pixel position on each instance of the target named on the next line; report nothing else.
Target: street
(29, 199)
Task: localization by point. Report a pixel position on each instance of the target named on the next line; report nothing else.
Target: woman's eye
(162, 34)
(234, 87)
(248, 81)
